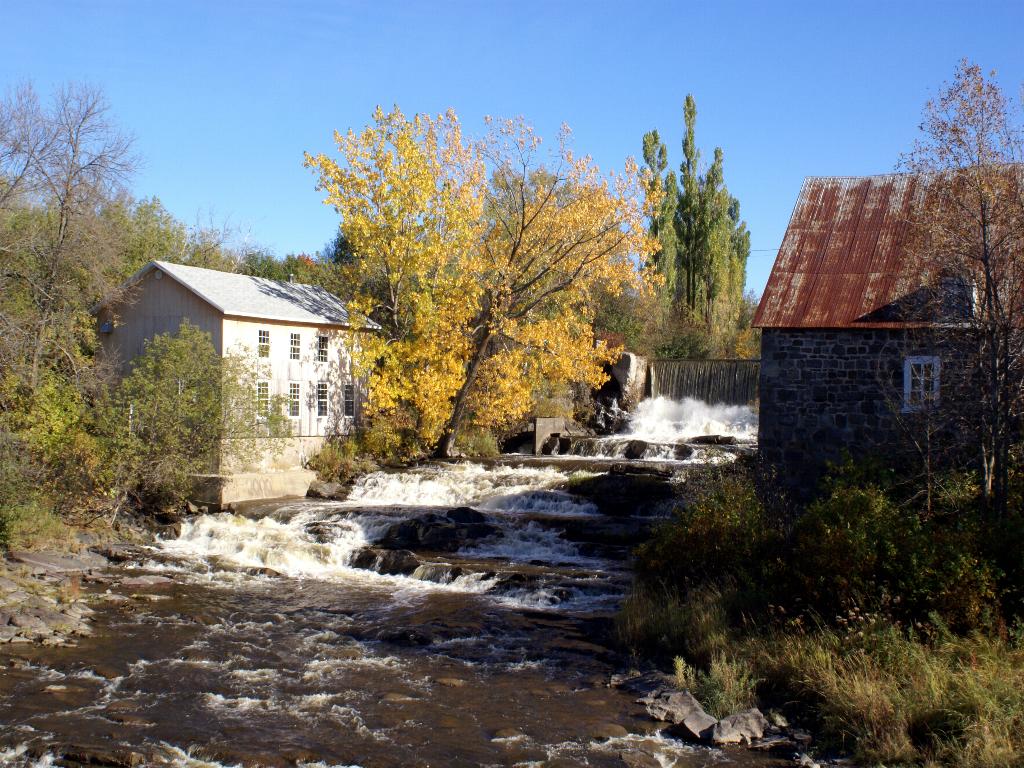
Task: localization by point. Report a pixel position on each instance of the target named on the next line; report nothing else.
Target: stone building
(843, 365)
(294, 332)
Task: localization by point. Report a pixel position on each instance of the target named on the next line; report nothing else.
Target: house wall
(156, 304)
(823, 392)
(241, 336)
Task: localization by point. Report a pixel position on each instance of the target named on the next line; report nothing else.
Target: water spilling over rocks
(453, 614)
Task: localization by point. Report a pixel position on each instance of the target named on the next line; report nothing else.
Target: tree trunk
(446, 445)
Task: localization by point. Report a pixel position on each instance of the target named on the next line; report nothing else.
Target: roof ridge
(841, 177)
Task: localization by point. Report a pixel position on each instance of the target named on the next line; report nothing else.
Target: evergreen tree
(663, 222)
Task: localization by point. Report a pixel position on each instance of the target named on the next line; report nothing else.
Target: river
(297, 633)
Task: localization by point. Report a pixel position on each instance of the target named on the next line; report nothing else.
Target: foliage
(968, 233)
(480, 262)
(32, 525)
(856, 547)
(704, 247)
(478, 443)
(726, 534)
(181, 407)
(341, 460)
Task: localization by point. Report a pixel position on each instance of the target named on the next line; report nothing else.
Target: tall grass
(33, 525)
(726, 687)
(895, 698)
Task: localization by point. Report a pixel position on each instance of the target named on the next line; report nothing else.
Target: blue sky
(224, 97)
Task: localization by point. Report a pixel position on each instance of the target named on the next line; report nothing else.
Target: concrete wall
(824, 392)
(219, 491)
(156, 304)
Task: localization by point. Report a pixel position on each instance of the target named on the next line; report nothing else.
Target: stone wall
(824, 392)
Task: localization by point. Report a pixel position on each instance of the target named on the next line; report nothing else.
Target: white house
(296, 332)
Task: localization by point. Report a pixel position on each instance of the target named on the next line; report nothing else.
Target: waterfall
(732, 382)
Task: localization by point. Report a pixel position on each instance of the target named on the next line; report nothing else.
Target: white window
(295, 347)
(294, 395)
(321, 398)
(920, 382)
(350, 400)
(263, 398)
(263, 347)
(321, 349)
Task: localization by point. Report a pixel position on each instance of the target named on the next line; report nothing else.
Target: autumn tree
(60, 164)
(479, 260)
(969, 238)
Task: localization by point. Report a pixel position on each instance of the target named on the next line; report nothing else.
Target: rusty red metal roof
(844, 261)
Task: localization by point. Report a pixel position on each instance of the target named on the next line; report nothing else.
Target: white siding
(157, 304)
(241, 336)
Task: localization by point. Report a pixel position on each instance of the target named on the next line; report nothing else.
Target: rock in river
(741, 728)
(681, 708)
(438, 533)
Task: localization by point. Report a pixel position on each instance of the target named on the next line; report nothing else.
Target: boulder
(630, 373)
(680, 708)
(683, 451)
(392, 562)
(714, 440)
(741, 728)
(321, 490)
(438, 533)
(635, 449)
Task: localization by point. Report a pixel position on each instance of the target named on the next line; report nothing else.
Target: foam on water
(661, 420)
(450, 485)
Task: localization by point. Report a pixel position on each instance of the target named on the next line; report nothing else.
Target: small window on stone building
(321, 349)
(321, 398)
(263, 348)
(295, 346)
(350, 400)
(920, 382)
(294, 395)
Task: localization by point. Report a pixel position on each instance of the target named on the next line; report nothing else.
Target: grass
(33, 526)
(895, 698)
(726, 687)
(887, 695)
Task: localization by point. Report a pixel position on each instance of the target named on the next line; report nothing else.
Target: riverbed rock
(438, 533)
(146, 580)
(52, 563)
(391, 562)
(714, 440)
(680, 708)
(741, 728)
(608, 731)
(683, 451)
(321, 490)
(625, 491)
(635, 449)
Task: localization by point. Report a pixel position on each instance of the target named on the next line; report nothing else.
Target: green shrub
(340, 461)
(858, 548)
(32, 525)
(725, 535)
(478, 443)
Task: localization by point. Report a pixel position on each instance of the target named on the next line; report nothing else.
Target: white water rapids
(662, 420)
(293, 541)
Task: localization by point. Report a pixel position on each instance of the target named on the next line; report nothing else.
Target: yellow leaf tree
(479, 260)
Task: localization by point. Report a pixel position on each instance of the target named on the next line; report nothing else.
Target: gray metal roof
(256, 297)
